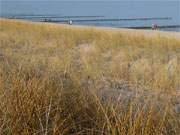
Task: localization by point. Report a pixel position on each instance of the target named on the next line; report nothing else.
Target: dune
(68, 79)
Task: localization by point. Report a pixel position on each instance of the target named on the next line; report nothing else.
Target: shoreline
(132, 32)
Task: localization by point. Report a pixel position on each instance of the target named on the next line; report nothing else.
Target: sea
(141, 14)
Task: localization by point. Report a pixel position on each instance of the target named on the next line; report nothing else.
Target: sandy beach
(131, 32)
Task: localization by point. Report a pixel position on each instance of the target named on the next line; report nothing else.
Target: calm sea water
(108, 9)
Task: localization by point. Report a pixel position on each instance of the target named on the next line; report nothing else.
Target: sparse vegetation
(72, 80)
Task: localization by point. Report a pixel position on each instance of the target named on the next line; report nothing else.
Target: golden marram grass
(58, 79)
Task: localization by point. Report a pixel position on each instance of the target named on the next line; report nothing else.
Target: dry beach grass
(59, 79)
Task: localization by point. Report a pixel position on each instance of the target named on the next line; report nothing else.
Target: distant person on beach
(154, 27)
(70, 22)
